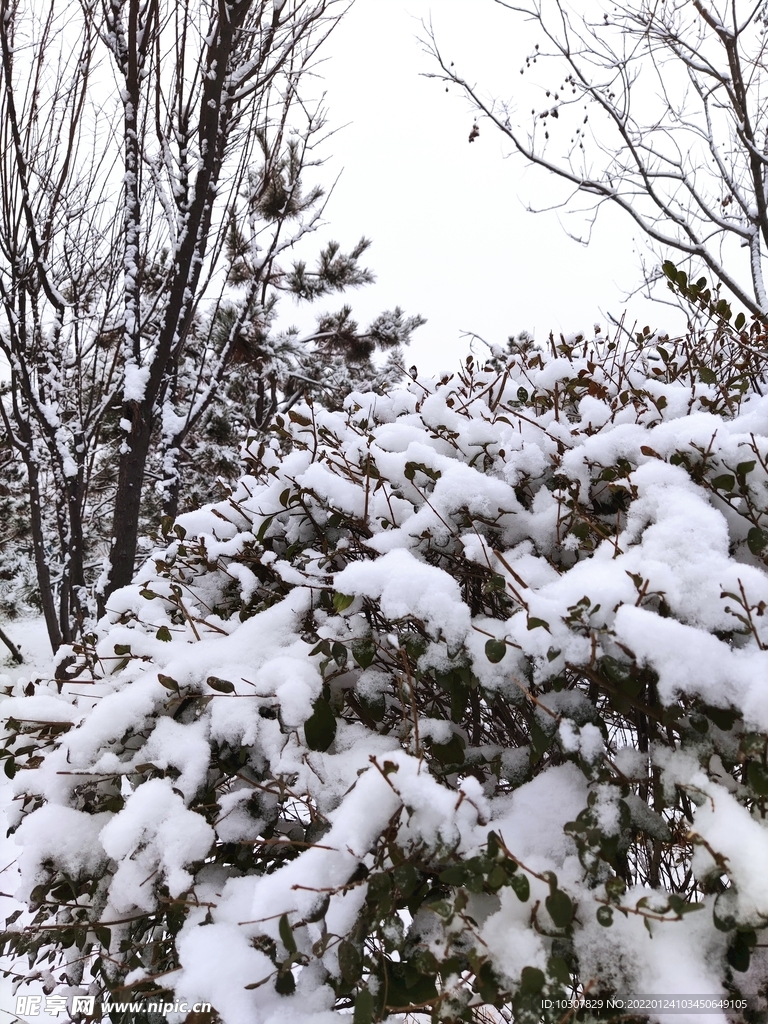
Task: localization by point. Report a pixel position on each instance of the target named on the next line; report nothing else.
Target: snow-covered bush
(460, 699)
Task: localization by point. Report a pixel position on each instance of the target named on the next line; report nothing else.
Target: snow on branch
(456, 702)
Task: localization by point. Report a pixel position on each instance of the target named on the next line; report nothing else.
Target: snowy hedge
(461, 699)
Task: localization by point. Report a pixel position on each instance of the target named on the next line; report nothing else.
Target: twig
(15, 652)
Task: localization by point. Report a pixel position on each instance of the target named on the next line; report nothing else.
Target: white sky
(452, 238)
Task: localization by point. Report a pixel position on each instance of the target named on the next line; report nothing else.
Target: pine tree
(139, 264)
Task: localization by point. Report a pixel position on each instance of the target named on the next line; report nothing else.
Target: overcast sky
(452, 237)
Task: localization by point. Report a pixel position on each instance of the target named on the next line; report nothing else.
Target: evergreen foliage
(158, 172)
(455, 703)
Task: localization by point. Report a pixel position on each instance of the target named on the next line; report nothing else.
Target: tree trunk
(125, 532)
(41, 561)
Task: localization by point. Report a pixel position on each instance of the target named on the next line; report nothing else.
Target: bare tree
(149, 151)
(659, 109)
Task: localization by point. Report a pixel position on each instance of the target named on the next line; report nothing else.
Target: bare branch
(680, 145)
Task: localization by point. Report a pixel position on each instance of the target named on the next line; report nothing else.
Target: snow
(405, 586)
(154, 832)
(62, 835)
(281, 705)
(741, 840)
(135, 382)
(30, 637)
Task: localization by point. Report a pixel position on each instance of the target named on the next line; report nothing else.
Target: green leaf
(350, 962)
(699, 723)
(521, 887)
(342, 601)
(451, 752)
(221, 685)
(669, 270)
(745, 467)
(739, 951)
(440, 907)
(616, 886)
(320, 727)
(163, 634)
(723, 718)
(758, 778)
(724, 482)
(406, 878)
(418, 987)
(285, 983)
(339, 654)
(676, 903)
(262, 531)
(168, 682)
(319, 911)
(739, 322)
(522, 395)
(122, 649)
(605, 916)
(379, 893)
(707, 376)
(459, 699)
(296, 417)
(560, 908)
(364, 1007)
(495, 651)
(497, 876)
(685, 906)
(558, 969)
(722, 912)
(414, 647)
(487, 984)
(455, 875)
(757, 540)
(10, 767)
(286, 934)
(532, 980)
(540, 741)
(363, 651)
(426, 963)
(534, 623)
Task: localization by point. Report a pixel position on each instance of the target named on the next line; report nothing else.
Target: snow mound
(458, 699)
